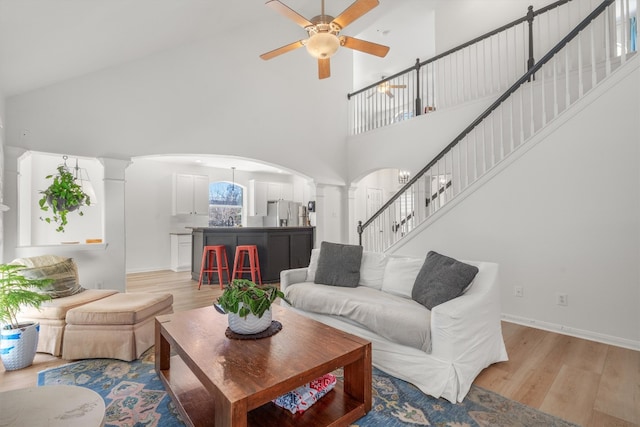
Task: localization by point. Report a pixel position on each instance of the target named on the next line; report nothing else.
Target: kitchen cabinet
(190, 194)
(180, 252)
(257, 198)
(260, 192)
(279, 191)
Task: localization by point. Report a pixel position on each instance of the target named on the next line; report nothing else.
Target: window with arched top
(225, 204)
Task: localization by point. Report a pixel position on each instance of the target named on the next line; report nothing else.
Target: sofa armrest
(289, 277)
(471, 321)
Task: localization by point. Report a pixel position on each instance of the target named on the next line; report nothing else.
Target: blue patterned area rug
(134, 397)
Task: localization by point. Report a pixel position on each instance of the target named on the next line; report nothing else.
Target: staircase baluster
(607, 43)
(543, 99)
(592, 42)
(567, 72)
(555, 87)
(580, 71)
(624, 16)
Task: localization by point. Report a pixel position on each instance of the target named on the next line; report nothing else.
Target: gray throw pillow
(339, 265)
(441, 279)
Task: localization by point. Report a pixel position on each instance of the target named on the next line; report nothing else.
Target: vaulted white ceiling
(47, 41)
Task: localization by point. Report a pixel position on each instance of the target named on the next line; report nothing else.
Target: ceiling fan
(324, 34)
(385, 87)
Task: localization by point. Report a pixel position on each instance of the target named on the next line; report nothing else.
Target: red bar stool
(217, 253)
(239, 267)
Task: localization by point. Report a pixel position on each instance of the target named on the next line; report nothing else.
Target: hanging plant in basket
(64, 195)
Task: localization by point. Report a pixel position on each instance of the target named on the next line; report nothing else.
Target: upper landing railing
(588, 54)
(484, 66)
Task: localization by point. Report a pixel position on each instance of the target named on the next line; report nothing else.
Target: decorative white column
(10, 198)
(113, 212)
(352, 225)
(321, 211)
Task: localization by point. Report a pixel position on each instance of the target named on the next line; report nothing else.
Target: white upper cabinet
(279, 191)
(190, 194)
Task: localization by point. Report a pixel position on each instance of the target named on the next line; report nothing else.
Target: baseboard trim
(148, 269)
(574, 332)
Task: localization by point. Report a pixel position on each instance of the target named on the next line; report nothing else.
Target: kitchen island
(279, 248)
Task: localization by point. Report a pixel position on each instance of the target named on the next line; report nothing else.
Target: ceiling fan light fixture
(322, 45)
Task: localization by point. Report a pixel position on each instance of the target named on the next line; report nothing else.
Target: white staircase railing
(482, 67)
(595, 48)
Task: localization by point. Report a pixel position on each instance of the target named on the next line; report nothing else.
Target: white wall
(414, 39)
(563, 218)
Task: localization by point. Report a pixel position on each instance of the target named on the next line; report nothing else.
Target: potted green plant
(18, 341)
(248, 305)
(64, 195)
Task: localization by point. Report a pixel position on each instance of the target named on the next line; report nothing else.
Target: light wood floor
(588, 383)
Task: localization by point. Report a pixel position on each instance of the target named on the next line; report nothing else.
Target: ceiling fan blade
(355, 11)
(289, 13)
(364, 46)
(397, 86)
(281, 50)
(324, 68)
(389, 94)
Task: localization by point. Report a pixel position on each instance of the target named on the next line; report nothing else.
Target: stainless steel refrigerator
(282, 213)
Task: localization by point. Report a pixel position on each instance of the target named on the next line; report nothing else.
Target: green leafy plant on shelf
(63, 196)
(17, 291)
(244, 296)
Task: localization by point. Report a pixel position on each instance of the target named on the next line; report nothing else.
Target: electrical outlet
(562, 299)
(518, 291)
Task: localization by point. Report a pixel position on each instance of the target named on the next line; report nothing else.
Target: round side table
(53, 405)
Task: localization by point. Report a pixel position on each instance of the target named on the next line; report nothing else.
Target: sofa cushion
(339, 265)
(372, 269)
(397, 319)
(63, 272)
(57, 308)
(120, 309)
(400, 274)
(441, 279)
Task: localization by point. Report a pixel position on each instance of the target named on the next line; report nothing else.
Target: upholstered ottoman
(52, 314)
(120, 326)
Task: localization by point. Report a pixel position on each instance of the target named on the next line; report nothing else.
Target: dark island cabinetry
(279, 248)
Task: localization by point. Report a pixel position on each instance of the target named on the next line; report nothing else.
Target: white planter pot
(251, 324)
(18, 346)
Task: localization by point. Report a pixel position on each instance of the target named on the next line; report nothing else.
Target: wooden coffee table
(217, 381)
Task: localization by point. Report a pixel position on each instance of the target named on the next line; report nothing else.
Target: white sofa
(440, 351)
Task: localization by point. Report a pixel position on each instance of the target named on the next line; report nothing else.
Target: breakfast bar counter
(279, 248)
